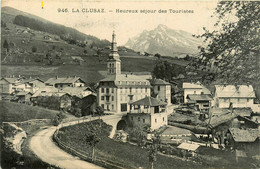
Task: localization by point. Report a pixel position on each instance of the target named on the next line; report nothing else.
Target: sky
(126, 25)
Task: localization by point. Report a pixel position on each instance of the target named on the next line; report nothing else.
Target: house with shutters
(162, 90)
(149, 112)
(117, 91)
(237, 95)
(195, 89)
(62, 82)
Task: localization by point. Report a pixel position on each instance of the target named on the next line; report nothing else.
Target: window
(163, 119)
(102, 97)
(194, 92)
(146, 107)
(112, 90)
(112, 98)
(158, 88)
(130, 89)
(107, 98)
(138, 118)
(112, 107)
(107, 107)
(131, 97)
(102, 90)
(155, 120)
(102, 105)
(225, 100)
(121, 89)
(248, 100)
(107, 90)
(136, 107)
(146, 89)
(143, 120)
(141, 89)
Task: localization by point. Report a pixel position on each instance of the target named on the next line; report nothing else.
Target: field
(88, 71)
(123, 153)
(20, 112)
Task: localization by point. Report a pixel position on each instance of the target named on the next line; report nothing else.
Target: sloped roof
(58, 94)
(46, 89)
(76, 91)
(127, 80)
(149, 101)
(160, 82)
(244, 135)
(217, 120)
(66, 80)
(23, 93)
(188, 146)
(239, 91)
(196, 85)
(31, 79)
(199, 97)
(12, 80)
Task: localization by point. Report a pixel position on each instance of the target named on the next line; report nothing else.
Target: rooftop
(188, 146)
(199, 97)
(196, 85)
(149, 101)
(242, 91)
(159, 82)
(244, 135)
(64, 80)
(127, 80)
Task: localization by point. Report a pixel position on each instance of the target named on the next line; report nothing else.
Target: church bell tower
(113, 62)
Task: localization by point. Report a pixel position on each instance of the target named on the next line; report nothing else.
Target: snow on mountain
(165, 41)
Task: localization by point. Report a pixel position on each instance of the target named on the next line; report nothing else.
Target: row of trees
(166, 70)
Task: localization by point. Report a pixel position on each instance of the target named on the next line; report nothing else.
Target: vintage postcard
(141, 84)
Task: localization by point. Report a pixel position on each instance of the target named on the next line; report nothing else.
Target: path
(42, 145)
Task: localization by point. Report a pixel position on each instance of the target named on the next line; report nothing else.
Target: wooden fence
(98, 161)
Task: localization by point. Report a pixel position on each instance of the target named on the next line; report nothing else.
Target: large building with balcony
(149, 112)
(117, 91)
(237, 95)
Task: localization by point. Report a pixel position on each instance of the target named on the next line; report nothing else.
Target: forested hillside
(65, 33)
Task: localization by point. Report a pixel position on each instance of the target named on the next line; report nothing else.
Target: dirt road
(43, 146)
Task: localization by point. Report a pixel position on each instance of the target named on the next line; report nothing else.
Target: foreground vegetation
(20, 112)
(125, 154)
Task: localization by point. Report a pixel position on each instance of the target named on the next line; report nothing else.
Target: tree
(166, 70)
(139, 134)
(153, 148)
(234, 44)
(6, 45)
(34, 49)
(96, 131)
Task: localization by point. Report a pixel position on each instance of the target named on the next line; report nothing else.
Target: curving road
(43, 146)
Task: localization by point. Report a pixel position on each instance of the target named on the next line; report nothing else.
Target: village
(225, 118)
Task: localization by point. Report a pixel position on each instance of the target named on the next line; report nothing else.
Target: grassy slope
(20, 112)
(87, 71)
(123, 153)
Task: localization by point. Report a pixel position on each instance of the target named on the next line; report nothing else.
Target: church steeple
(113, 62)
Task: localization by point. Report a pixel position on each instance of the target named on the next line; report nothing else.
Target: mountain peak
(162, 27)
(166, 41)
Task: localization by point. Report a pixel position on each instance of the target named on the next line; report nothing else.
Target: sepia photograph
(121, 84)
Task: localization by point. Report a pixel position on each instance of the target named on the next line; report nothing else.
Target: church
(117, 91)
